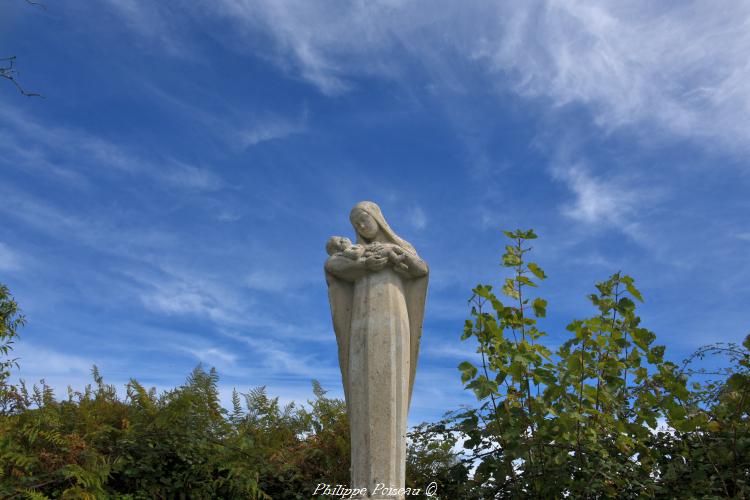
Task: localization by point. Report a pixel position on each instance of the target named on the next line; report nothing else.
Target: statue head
(370, 225)
(364, 224)
(337, 244)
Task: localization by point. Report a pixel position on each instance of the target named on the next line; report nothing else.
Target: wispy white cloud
(675, 66)
(38, 362)
(238, 129)
(181, 299)
(285, 358)
(156, 29)
(271, 128)
(324, 42)
(618, 202)
(621, 201)
(597, 200)
(78, 155)
(92, 230)
(45, 139)
(417, 217)
(32, 157)
(680, 68)
(211, 356)
(267, 281)
(38, 214)
(169, 289)
(452, 350)
(228, 216)
(191, 177)
(185, 293)
(293, 37)
(9, 261)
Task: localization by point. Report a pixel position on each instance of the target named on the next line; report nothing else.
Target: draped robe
(377, 318)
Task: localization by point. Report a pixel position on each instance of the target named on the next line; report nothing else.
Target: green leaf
(521, 360)
(523, 280)
(656, 355)
(509, 289)
(468, 330)
(631, 288)
(540, 307)
(483, 387)
(625, 305)
(677, 413)
(738, 382)
(642, 338)
(468, 371)
(538, 272)
(510, 260)
(484, 291)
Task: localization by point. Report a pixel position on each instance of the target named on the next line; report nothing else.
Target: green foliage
(95, 445)
(584, 421)
(431, 457)
(710, 452)
(10, 320)
(180, 444)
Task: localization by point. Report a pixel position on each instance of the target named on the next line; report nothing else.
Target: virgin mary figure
(377, 301)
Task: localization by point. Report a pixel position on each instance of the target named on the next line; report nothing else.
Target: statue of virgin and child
(377, 290)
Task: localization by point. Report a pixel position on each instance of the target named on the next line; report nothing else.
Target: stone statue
(377, 290)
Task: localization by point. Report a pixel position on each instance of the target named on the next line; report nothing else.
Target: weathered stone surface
(377, 289)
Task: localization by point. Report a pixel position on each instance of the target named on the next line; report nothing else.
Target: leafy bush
(10, 320)
(180, 444)
(604, 416)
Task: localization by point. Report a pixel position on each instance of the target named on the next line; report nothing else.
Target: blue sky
(168, 202)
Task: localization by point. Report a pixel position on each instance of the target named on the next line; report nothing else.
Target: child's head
(337, 244)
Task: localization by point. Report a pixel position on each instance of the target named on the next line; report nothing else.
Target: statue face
(337, 244)
(364, 224)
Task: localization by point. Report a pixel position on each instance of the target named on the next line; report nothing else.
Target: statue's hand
(401, 269)
(396, 255)
(375, 263)
(376, 249)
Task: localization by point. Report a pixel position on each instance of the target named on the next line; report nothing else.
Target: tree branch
(37, 4)
(9, 73)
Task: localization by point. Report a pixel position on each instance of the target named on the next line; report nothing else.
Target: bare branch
(9, 73)
(38, 4)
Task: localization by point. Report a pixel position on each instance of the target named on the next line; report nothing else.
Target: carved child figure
(343, 246)
(394, 253)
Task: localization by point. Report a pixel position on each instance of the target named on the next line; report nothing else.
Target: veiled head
(364, 224)
(370, 225)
